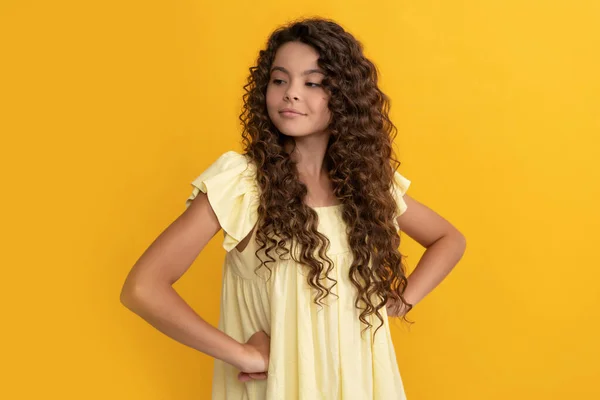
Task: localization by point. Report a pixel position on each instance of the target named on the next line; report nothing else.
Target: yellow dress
(317, 353)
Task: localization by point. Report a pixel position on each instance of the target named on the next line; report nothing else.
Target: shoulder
(400, 185)
(229, 160)
(230, 185)
(229, 167)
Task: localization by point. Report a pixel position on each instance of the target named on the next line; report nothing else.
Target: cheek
(323, 106)
(269, 95)
(271, 100)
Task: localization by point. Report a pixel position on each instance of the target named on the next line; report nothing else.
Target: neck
(309, 154)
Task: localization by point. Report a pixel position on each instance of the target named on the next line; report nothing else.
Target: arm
(148, 290)
(444, 244)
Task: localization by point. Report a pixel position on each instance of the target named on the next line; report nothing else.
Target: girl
(311, 212)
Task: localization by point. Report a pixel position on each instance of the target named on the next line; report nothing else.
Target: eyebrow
(307, 72)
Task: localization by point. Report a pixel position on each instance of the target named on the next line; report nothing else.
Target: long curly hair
(359, 159)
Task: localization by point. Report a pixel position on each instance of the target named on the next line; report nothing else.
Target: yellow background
(109, 110)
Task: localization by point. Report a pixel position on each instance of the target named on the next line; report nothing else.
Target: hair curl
(359, 157)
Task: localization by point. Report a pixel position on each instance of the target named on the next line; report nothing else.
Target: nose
(291, 93)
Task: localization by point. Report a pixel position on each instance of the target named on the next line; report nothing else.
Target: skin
(148, 289)
(296, 83)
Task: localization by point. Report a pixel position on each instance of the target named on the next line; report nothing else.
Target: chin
(289, 130)
(293, 129)
(293, 133)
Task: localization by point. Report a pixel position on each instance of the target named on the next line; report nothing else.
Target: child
(311, 212)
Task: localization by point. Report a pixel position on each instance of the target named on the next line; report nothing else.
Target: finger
(244, 377)
(258, 376)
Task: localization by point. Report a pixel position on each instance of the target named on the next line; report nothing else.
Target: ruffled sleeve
(400, 185)
(230, 185)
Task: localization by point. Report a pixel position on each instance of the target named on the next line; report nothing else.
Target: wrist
(242, 357)
(396, 308)
(234, 354)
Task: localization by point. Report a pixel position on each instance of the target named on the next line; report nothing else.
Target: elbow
(127, 296)
(455, 243)
(460, 243)
(131, 295)
(136, 295)
(461, 240)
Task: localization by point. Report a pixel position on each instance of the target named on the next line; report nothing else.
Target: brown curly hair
(359, 159)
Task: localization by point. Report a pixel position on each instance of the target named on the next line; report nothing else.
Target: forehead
(296, 57)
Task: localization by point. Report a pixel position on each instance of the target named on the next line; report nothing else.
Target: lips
(289, 111)
(290, 115)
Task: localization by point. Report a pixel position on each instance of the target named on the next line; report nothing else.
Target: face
(295, 85)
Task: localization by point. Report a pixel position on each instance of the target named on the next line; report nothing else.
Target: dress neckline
(327, 207)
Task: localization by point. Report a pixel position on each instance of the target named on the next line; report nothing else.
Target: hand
(257, 357)
(395, 308)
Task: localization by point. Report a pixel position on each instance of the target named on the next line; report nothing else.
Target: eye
(277, 81)
(311, 83)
